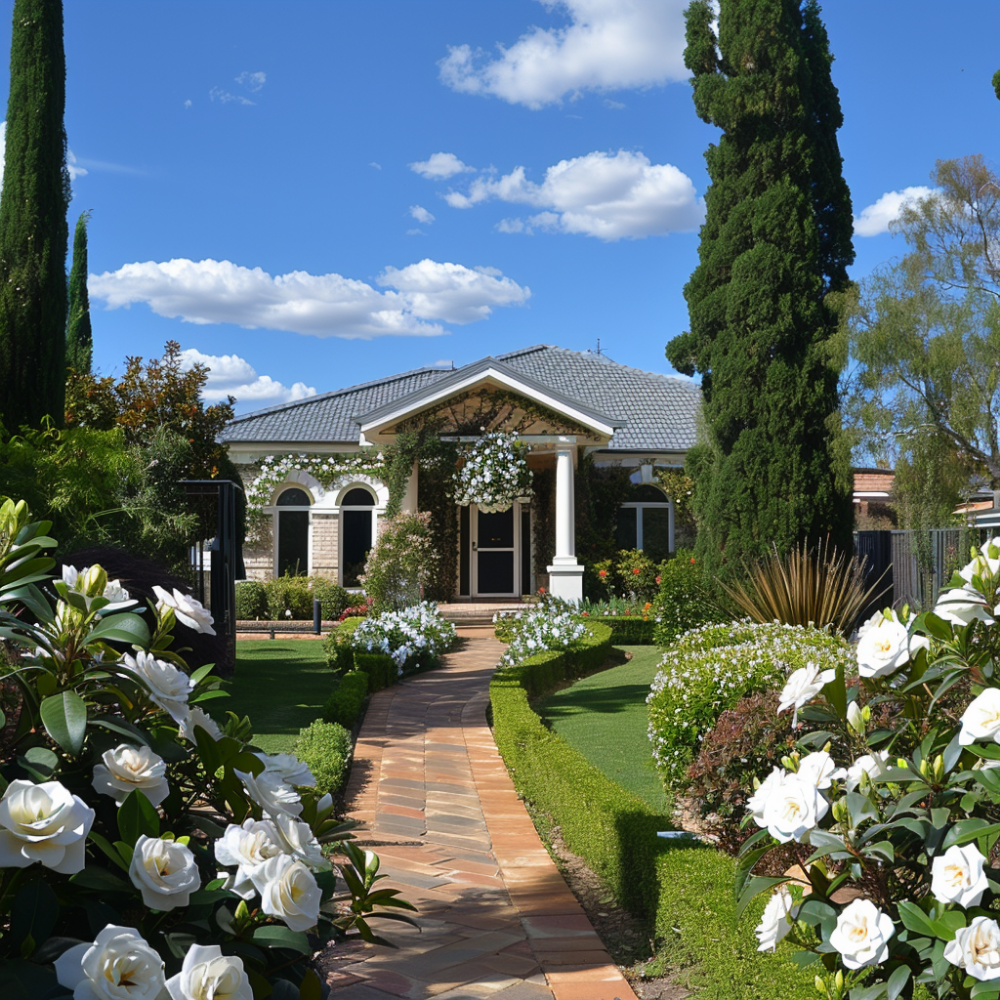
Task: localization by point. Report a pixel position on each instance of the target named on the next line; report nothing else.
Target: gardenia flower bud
(168, 687)
(165, 872)
(44, 823)
(957, 876)
(862, 934)
(93, 582)
(776, 921)
(854, 720)
(127, 768)
(976, 949)
(981, 720)
(119, 964)
(207, 974)
(289, 892)
(187, 610)
(802, 686)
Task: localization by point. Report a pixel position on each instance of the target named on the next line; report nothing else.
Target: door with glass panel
(495, 552)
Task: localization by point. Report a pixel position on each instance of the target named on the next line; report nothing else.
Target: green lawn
(281, 686)
(604, 717)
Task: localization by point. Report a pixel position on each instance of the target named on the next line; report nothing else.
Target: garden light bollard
(317, 616)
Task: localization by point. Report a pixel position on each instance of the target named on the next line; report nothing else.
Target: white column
(565, 573)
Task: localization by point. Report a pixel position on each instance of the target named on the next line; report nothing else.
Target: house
(318, 480)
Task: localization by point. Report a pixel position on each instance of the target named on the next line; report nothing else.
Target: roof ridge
(385, 380)
(585, 354)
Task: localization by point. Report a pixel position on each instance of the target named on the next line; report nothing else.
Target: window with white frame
(357, 533)
(292, 532)
(646, 521)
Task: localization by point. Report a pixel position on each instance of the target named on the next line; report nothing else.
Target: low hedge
(690, 891)
(380, 667)
(326, 748)
(337, 646)
(628, 630)
(345, 702)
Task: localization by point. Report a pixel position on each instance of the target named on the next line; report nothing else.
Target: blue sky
(267, 189)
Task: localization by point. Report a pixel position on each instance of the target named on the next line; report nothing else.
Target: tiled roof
(659, 413)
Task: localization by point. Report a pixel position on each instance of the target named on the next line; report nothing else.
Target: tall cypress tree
(33, 231)
(776, 240)
(79, 337)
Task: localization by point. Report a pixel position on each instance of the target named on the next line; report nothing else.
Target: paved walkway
(438, 807)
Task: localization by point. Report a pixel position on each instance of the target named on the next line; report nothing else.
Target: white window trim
(276, 510)
(377, 512)
(639, 506)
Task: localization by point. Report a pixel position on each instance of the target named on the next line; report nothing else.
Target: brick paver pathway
(496, 918)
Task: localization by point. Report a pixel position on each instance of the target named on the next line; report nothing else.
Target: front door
(495, 548)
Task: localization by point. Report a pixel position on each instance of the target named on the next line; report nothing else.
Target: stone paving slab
(496, 919)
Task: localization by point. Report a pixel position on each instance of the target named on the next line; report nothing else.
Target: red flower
(636, 571)
(602, 573)
(659, 578)
(541, 590)
(585, 613)
(692, 560)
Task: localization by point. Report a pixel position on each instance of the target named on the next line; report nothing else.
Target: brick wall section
(873, 480)
(324, 536)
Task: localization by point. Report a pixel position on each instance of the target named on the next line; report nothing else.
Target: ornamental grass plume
(806, 586)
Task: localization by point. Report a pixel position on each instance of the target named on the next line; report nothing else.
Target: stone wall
(324, 535)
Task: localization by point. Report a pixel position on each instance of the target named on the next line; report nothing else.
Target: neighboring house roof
(659, 413)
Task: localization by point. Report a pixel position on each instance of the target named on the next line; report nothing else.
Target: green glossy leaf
(967, 830)
(914, 919)
(310, 988)
(122, 727)
(273, 936)
(109, 850)
(202, 672)
(33, 913)
(39, 762)
(755, 885)
(988, 990)
(64, 716)
(137, 818)
(22, 980)
(100, 879)
(897, 981)
(129, 628)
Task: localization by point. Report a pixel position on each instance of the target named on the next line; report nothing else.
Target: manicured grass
(604, 717)
(281, 686)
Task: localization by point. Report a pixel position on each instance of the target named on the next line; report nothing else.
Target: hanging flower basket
(495, 473)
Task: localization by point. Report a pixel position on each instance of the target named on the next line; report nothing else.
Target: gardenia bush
(415, 637)
(495, 473)
(895, 823)
(145, 850)
(531, 632)
(710, 668)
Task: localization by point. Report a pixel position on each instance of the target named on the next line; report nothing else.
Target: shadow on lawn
(606, 700)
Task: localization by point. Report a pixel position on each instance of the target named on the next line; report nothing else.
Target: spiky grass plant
(806, 586)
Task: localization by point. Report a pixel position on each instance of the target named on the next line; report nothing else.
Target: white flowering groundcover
(531, 632)
(708, 669)
(896, 824)
(145, 850)
(415, 637)
(495, 473)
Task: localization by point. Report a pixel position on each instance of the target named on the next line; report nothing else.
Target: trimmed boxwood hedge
(345, 702)
(628, 630)
(380, 668)
(684, 892)
(339, 655)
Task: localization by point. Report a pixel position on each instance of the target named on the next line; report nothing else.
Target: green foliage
(33, 231)
(251, 600)
(684, 601)
(401, 563)
(628, 630)
(326, 748)
(776, 240)
(709, 669)
(380, 669)
(996, 84)
(79, 336)
(289, 593)
(339, 651)
(599, 492)
(347, 699)
(679, 486)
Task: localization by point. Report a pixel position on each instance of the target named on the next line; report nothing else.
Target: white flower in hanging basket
(495, 474)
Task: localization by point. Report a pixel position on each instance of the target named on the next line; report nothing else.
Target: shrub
(402, 562)
(325, 748)
(683, 601)
(636, 575)
(628, 630)
(529, 632)
(289, 593)
(345, 702)
(362, 610)
(331, 596)
(380, 669)
(338, 647)
(748, 739)
(414, 637)
(709, 669)
(251, 600)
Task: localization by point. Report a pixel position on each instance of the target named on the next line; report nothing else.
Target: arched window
(357, 533)
(292, 522)
(645, 521)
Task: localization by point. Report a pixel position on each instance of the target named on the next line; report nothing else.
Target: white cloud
(375, 166)
(440, 166)
(224, 97)
(608, 45)
(187, 104)
(231, 375)
(421, 214)
(252, 81)
(613, 105)
(875, 219)
(326, 305)
(600, 194)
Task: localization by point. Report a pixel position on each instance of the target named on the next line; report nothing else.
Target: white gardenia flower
(962, 605)
(957, 876)
(298, 840)
(288, 768)
(289, 892)
(802, 686)
(198, 717)
(127, 768)
(976, 949)
(271, 793)
(793, 809)
(44, 823)
(819, 769)
(187, 610)
(883, 648)
(758, 800)
(119, 965)
(981, 720)
(168, 687)
(872, 764)
(207, 974)
(248, 847)
(987, 563)
(862, 934)
(776, 921)
(165, 872)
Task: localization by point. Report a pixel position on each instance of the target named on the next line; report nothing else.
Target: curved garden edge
(684, 893)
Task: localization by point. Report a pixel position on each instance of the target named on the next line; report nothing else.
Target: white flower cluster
(534, 631)
(711, 667)
(495, 473)
(412, 637)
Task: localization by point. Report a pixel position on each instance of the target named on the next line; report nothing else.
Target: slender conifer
(79, 337)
